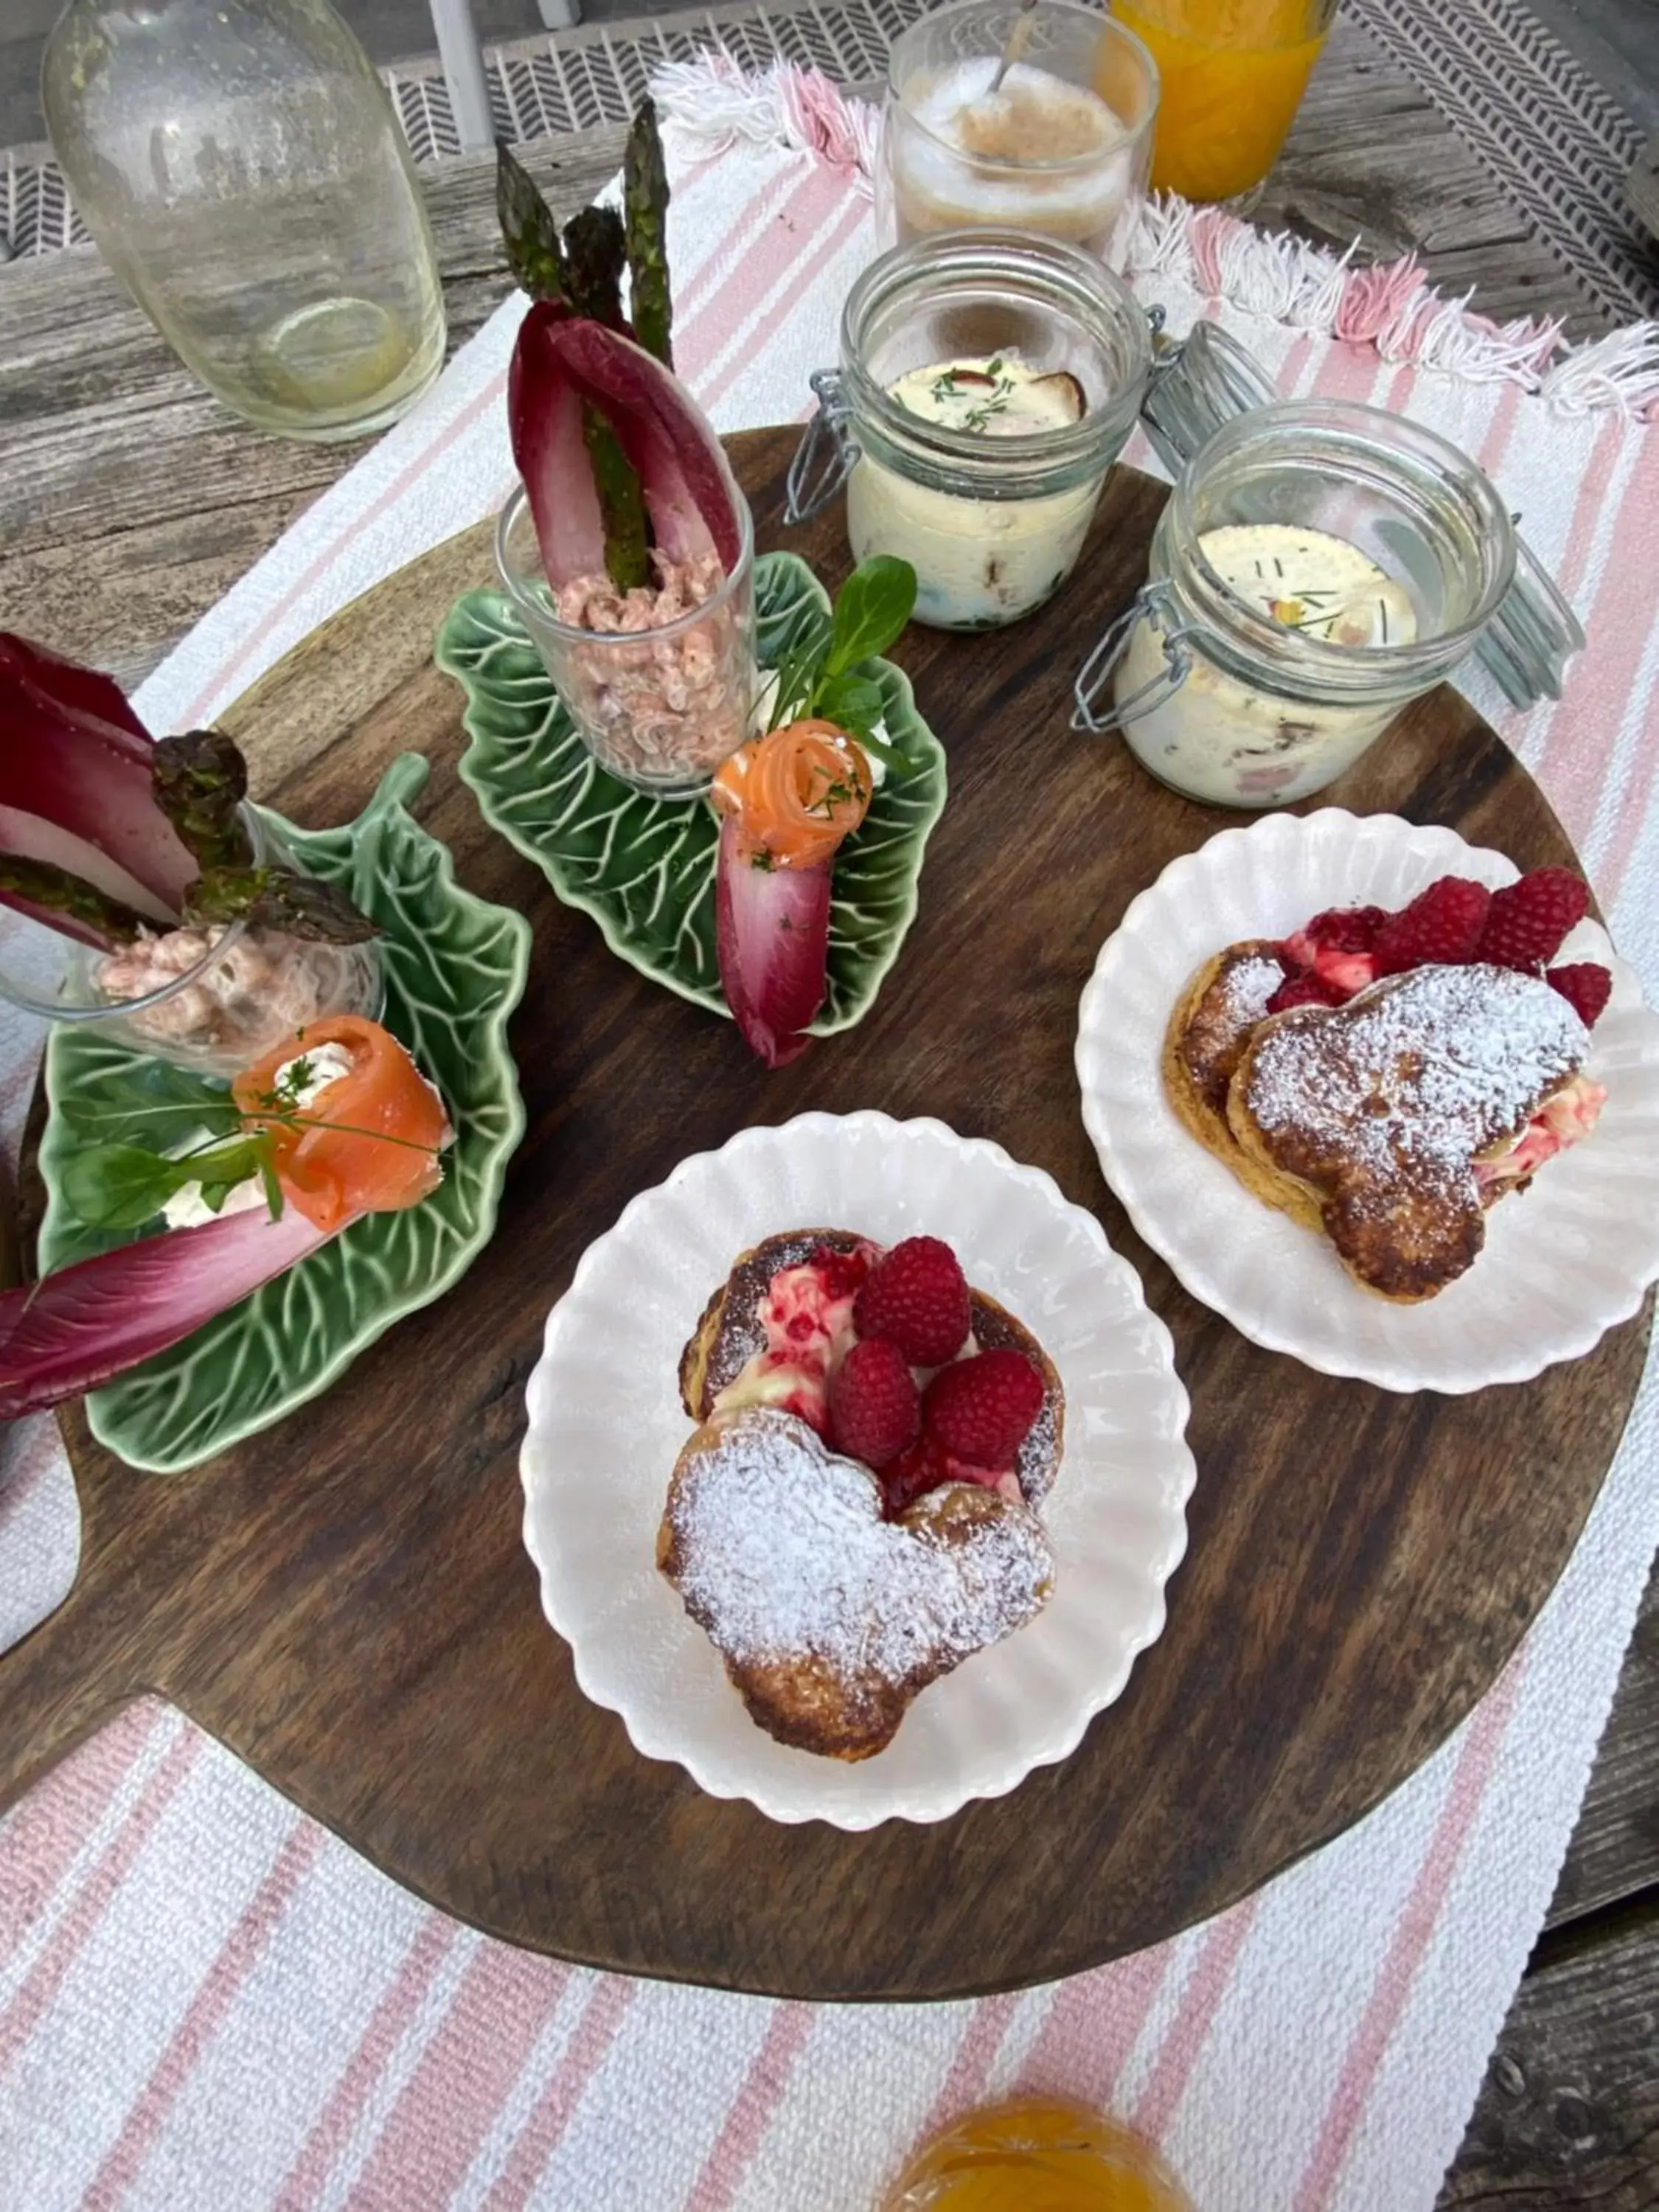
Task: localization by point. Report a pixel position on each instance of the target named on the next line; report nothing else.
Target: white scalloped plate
(603, 1437)
(1563, 1262)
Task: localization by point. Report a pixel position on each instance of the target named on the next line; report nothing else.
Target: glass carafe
(238, 164)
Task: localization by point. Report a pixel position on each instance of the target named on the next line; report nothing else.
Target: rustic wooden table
(129, 501)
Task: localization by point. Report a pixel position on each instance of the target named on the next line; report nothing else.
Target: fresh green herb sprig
(124, 1185)
(818, 674)
(977, 417)
(951, 384)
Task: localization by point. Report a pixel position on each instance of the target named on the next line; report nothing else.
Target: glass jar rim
(517, 511)
(231, 935)
(1107, 27)
(942, 253)
(1346, 668)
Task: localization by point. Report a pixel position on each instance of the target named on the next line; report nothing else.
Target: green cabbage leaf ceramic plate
(455, 969)
(643, 867)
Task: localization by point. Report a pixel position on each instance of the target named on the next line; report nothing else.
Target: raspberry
(841, 1272)
(918, 1298)
(1339, 929)
(1527, 921)
(980, 1409)
(875, 1409)
(922, 1467)
(1439, 929)
(1584, 986)
(1308, 990)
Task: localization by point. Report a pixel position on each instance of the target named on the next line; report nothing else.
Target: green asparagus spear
(645, 203)
(528, 230)
(586, 271)
(59, 892)
(594, 258)
(200, 781)
(274, 899)
(622, 503)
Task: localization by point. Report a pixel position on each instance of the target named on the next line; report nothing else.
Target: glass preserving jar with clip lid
(988, 380)
(1318, 566)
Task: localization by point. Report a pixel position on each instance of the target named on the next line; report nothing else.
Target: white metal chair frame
(464, 69)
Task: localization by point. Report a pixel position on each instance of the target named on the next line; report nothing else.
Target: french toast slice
(1366, 1121)
(1213, 1020)
(829, 1619)
(729, 1334)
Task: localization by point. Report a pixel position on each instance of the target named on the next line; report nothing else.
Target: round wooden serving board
(345, 1602)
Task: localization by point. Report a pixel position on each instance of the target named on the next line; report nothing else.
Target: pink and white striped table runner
(206, 2001)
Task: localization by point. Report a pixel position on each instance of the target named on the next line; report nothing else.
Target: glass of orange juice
(1233, 74)
(1037, 2155)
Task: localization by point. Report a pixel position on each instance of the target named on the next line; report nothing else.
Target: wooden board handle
(64, 1680)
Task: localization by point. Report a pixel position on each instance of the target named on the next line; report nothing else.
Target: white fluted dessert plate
(1564, 1261)
(605, 1431)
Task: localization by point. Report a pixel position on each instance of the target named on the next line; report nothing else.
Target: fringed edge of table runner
(713, 103)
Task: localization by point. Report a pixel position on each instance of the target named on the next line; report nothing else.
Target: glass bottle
(238, 164)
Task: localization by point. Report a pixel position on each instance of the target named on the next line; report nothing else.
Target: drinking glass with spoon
(995, 115)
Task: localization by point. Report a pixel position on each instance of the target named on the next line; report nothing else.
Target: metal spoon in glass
(1013, 46)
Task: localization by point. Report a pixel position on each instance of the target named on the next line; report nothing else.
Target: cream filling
(808, 1334)
(1566, 1116)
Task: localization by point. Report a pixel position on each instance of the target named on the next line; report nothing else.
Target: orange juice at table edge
(1036, 2154)
(1233, 73)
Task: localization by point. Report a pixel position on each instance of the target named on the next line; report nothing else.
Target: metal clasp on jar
(1195, 385)
(1152, 603)
(1532, 637)
(827, 450)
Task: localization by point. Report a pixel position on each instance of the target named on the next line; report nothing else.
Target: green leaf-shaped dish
(644, 868)
(455, 969)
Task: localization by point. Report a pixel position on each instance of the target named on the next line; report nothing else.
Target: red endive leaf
(74, 785)
(772, 928)
(544, 422)
(77, 1328)
(83, 690)
(688, 483)
(562, 359)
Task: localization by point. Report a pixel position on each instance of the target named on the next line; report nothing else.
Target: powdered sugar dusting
(1417, 1074)
(1038, 1456)
(1244, 987)
(1211, 1041)
(783, 1554)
